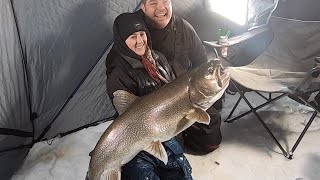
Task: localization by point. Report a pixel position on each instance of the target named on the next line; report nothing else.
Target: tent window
(235, 10)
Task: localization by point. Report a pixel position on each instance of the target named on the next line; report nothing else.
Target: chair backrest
(294, 46)
(286, 62)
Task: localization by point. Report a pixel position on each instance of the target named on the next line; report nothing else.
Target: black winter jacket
(129, 74)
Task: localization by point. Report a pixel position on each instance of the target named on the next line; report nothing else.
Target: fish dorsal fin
(199, 116)
(157, 150)
(122, 100)
(111, 175)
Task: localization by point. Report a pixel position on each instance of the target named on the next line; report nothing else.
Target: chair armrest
(317, 66)
(240, 38)
(304, 86)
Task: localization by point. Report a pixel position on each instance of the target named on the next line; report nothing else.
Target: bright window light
(235, 10)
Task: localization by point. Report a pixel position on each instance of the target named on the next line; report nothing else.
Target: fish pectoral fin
(122, 100)
(157, 150)
(199, 116)
(111, 175)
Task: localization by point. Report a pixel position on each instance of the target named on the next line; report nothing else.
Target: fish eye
(210, 70)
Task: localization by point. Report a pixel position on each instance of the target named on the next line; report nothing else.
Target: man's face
(158, 12)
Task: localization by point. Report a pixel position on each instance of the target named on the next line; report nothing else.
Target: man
(179, 42)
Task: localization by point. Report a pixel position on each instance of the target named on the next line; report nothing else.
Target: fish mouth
(220, 74)
(206, 90)
(220, 82)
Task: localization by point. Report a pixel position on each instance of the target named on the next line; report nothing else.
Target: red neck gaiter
(151, 69)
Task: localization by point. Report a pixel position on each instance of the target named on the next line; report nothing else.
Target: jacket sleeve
(118, 79)
(197, 52)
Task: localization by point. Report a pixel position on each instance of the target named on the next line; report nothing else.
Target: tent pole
(26, 77)
(17, 148)
(47, 128)
(88, 125)
(15, 132)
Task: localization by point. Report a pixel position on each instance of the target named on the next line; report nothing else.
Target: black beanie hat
(124, 25)
(129, 23)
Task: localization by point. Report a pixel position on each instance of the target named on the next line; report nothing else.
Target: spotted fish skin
(145, 122)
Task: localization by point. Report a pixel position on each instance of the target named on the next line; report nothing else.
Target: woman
(133, 66)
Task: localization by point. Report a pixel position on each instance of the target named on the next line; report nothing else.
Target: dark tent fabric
(14, 106)
(52, 72)
(13, 91)
(62, 41)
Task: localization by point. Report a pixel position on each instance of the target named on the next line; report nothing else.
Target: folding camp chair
(287, 67)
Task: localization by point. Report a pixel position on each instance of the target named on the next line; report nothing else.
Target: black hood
(125, 25)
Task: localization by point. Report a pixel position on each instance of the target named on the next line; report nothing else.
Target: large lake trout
(145, 122)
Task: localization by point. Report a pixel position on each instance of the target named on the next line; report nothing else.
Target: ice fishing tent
(52, 79)
(52, 73)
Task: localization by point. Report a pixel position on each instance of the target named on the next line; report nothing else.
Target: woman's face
(137, 42)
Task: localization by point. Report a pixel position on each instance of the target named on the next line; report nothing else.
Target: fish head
(207, 84)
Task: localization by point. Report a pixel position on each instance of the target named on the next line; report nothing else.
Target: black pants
(201, 138)
(146, 167)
